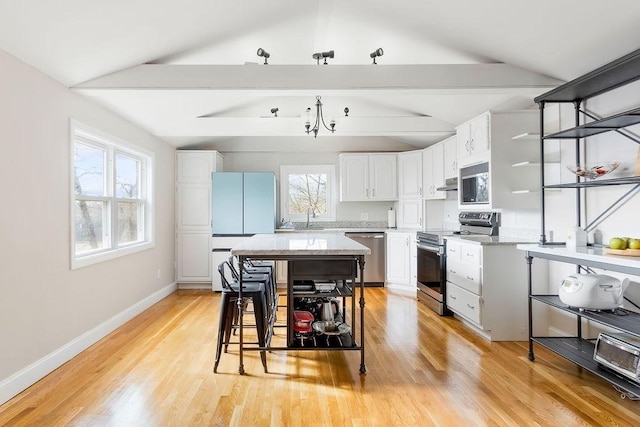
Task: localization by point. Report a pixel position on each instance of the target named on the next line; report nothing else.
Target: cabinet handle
(373, 193)
(472, 307)
(470, 278)
(421, 191)
(406, 242)
(452, 297)
(468, 254)
(366, 192)
(452, 271)
(452, 250)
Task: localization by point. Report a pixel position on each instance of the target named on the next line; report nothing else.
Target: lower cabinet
(401, 260)
(410, 213)
(193, 257)
(487, 288)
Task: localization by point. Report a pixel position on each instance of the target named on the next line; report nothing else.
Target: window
(112, 210)
(307, 191)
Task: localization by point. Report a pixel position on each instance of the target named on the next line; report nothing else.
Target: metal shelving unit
(578, 349)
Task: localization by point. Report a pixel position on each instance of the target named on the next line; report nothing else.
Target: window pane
(90, 226)
(89, 170)
(127, 222)
(127, 173)
(308, 193)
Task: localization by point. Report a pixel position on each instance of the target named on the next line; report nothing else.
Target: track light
(346, 111)
(263, 53)
(274, 111)
(325, 55)
(376, 53)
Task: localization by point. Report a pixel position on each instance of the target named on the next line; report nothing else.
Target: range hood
(450, 184)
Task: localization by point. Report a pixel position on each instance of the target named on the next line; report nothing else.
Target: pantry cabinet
(368, 177)
(193, 207)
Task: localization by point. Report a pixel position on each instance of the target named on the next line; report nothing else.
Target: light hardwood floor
(422, 370)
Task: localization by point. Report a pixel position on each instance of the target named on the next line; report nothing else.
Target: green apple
(634, 244)
(617, 243)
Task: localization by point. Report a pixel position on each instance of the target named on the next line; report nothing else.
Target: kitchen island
(310, 256)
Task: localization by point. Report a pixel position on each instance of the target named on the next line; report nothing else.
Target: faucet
(309, 210)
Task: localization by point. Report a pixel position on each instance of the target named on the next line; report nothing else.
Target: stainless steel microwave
(473, 187)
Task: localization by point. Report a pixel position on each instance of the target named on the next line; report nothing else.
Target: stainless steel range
(432, 262)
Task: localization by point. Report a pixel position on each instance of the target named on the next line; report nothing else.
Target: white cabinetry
(410, 174)
(487, 288)
(450, 153)
(368, 177)
(433, 172)
(401, 263)
(410, 213)
(193, 215)
(505, 181)
(473, 139)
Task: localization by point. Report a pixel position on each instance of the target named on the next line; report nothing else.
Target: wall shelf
(528, 136)
(622, 120)
(597, 183)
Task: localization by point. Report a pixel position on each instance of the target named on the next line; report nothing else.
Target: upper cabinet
(196, 166)
(410, 179)
(473, 139)
(433, 172)
(450, 148)
(368, 177)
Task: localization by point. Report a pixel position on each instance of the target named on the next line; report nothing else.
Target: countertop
(296, 244)
(333, 230)
(489, 240)
(590, 255)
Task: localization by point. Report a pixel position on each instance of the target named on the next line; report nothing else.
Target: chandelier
(319, 118)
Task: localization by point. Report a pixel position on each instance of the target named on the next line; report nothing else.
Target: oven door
(431, 273)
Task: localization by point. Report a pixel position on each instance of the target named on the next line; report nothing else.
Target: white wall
(44, 306)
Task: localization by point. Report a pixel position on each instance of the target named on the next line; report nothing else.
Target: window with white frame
(307, 192)
(112, 210)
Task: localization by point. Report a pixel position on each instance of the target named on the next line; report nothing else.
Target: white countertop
(589, 254)
(296, 244)
(488, 240)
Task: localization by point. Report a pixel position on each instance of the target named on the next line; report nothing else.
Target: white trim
(196, 286)
(31, 374)
(147, 192)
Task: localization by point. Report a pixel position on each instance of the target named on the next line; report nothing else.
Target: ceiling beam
(316, 78)
(294, 126)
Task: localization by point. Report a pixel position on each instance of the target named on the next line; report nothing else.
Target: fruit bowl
(593, 172)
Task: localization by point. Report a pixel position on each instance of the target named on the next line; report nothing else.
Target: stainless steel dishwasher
(374, 273)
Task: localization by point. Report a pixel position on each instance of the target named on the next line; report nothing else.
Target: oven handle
(437, 249)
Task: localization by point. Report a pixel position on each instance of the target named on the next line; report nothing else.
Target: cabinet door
(427, 173)
(193, 260)
(433, 172)
(450, 158)
(463, 142)
(383, 176)
(354, 177)
(410, 213)
(464, 303)
(259, 202)
(410, 174)
(227, 192)
(193, 207)
(194, 166)
(398, 261)
(480, 140)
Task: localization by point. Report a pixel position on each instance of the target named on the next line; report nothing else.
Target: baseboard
(194, 286)
(31, 374)
(402, 289)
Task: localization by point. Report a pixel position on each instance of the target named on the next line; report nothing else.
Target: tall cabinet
(193, 214)
(579, 349)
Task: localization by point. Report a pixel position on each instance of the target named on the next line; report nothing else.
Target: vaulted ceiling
(188, 71)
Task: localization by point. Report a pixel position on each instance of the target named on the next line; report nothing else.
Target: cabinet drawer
(463, 303)
(471, 253)
(453, 249)
(464, 274)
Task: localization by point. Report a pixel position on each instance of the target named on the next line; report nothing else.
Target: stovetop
(471, 223)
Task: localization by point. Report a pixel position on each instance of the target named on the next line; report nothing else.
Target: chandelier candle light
(318, 119)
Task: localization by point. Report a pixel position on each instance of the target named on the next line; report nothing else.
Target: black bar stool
(251, 291)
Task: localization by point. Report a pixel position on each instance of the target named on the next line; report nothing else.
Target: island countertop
(299, 244)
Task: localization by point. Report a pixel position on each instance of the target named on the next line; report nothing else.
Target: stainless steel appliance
(474, 185)
(620, 353)
(374, 273)
(431, 253)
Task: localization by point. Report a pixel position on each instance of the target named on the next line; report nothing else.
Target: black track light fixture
(346, 111)
(378, 52)
(264, 54)
(274, 111)
(319, 55)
